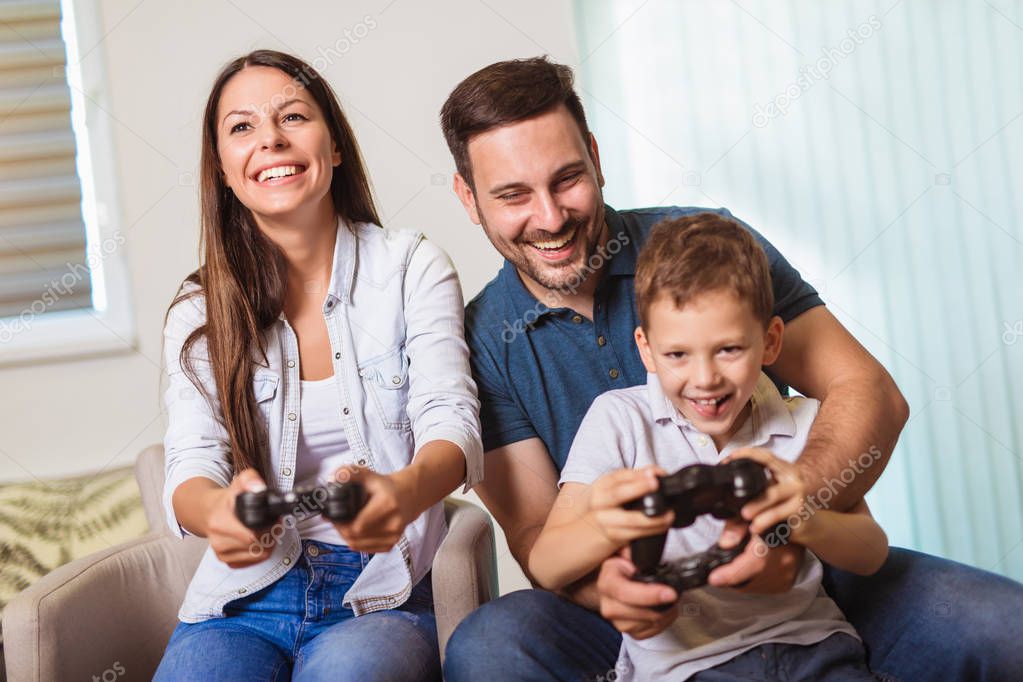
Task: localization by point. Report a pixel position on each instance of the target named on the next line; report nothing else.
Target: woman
(310, 344)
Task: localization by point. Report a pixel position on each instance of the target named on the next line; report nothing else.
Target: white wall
(160, 58)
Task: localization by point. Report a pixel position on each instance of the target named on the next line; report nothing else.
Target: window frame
(108, 325)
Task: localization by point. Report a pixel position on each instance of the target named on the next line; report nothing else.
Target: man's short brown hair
(504, 93)
(696, 254)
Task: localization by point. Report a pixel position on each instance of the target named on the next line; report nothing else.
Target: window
(63, 283)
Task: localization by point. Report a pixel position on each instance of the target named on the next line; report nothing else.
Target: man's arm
(862, 410)
(519, 489)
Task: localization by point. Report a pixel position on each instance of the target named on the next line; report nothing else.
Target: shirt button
(242, 591)
(362, 462)
(287, 561)
(292, 416)
(578, 319)
(314, 550)
(337, 356)
(613, 373)
(345, 410)
(702, 441)
(291, 363)
(395, 380)
(286, 471)
(601, 340)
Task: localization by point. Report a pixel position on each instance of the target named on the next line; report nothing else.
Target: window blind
(43, 264)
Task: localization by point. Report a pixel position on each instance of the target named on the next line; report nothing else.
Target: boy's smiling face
(708, 356)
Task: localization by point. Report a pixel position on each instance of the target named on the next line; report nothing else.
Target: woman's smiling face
(274, 146)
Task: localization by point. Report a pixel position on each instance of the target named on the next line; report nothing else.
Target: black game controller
(720, 490)
(337, 502)
(692, 571)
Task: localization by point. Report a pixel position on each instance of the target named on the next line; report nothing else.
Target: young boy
(704, 298)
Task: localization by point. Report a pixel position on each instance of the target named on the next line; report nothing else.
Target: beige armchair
(109, 616)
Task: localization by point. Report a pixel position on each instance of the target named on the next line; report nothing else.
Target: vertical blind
(43, 264)
(879, 146)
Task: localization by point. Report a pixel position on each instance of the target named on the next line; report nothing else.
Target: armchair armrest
(117, 606)
(465, 567)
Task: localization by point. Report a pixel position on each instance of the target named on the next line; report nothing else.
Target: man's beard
(557, 277)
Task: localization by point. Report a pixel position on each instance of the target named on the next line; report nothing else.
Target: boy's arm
(588, 524)
(852, 541)
(569, 547)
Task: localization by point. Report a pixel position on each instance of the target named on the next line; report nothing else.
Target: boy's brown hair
(504, 93)
(696, 254)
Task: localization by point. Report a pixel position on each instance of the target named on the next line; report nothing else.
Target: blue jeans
(838, 658)
(298, 629)
(920, 617)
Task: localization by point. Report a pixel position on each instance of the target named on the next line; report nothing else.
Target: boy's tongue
(711, 411)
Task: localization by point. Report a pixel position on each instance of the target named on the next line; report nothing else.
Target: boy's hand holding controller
(762, 569)
(605, 501)
(782, 500)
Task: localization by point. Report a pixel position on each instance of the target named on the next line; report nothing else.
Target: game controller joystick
(335, 501)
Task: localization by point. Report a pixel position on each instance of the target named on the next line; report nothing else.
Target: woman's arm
(442, 407)
(442, 402)
(195, 443)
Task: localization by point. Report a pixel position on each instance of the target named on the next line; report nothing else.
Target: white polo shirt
(637, 427)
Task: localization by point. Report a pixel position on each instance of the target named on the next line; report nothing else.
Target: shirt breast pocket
(264, 388)
(385, 378)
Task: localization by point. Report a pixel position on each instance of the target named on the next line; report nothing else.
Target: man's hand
(759, 569)
(630, 605)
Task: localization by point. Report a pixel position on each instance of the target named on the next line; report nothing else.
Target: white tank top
(322, 448)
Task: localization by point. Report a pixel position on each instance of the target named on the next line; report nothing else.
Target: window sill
(64, 335)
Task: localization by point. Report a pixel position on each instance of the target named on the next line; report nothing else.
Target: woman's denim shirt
(401, 367)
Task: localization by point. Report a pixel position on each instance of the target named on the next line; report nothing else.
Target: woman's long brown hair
(242, 274)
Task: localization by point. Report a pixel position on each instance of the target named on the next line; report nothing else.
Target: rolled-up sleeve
(196, 442)
(442, 402)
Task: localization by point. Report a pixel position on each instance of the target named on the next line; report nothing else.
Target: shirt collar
(342, 269)
(623, 256)
(342, 272)
(770, 415)
(622, 263)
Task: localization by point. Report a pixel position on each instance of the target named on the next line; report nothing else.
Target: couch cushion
(44, 524)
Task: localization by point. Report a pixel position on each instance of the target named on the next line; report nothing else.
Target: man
(554, 329)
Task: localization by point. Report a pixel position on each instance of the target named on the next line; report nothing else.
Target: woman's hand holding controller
(232, 542)
(389, 508)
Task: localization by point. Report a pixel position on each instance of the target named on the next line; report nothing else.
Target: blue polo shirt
(538, 366)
